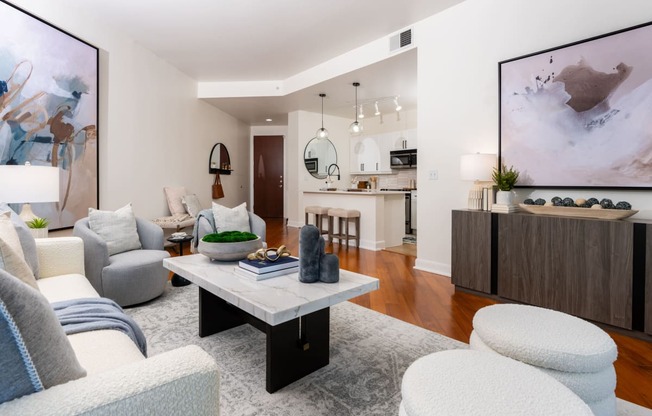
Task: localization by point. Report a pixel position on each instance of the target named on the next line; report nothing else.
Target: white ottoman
(467, 382)
(575, 352)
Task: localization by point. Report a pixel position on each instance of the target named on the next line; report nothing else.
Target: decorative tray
(603, 214)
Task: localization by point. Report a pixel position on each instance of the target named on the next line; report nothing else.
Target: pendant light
(322, 133)
(356, 128)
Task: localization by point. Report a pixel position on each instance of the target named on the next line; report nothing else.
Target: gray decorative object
(314, 264)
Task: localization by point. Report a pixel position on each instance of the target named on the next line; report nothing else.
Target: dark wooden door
(268, 176)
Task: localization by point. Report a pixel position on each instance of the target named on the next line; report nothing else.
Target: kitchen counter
(382, 213)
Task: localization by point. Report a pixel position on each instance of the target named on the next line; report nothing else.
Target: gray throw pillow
(46, 348)
(117, 228)
(26, 238)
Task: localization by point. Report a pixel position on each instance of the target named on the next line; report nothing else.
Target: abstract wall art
(579, 115)
(49, 109)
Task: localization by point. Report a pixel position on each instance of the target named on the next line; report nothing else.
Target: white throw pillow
(15, 264)
(191, 202)
(174, 195)
(231, 219)
(117, 228)
(9, 234)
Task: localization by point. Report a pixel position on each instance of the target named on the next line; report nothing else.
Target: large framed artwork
(49, 109)
(580, 115)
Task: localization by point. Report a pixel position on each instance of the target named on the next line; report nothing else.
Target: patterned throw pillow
(173, 196)
(34, 351)
(117, 228)
(231, 219)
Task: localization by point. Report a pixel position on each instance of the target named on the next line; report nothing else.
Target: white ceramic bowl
(229, 251)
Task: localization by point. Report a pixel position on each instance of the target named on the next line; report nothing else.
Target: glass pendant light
(322, 133)
(356, 127)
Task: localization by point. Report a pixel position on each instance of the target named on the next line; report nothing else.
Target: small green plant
(38, 223)
(229, 237)
(504, 178)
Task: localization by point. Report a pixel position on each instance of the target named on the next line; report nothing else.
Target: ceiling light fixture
(322, 133)
(398, 106)
(356, 127)
(268, 120)
(361, 115)
(377, 113)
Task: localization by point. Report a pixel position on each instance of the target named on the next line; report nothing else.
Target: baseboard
(295, 224)
(433, 267)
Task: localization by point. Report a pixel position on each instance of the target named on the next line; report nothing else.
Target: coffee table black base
(294, 349)
(178, 281)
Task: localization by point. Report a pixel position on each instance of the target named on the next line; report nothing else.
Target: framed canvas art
(578, 116)
(49, 109)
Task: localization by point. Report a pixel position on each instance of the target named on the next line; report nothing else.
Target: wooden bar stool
(344, 216)
(320, 213)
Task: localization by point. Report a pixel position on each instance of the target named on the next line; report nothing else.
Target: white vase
(39, 232)
(504, 198)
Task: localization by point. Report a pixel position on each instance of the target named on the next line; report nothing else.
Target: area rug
(369, 354)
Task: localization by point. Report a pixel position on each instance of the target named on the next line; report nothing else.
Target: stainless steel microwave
(311, 164)
(403, 159)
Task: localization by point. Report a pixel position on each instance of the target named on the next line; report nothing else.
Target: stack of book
(505, 209)
(264, 269)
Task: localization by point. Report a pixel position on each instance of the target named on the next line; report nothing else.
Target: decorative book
(266, 266)
(262, 276)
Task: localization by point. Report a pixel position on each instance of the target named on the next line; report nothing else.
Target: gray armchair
(205, 224)
(130, 277)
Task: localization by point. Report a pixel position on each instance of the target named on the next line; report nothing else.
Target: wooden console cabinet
(594, 269)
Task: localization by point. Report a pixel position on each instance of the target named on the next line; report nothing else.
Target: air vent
(400, 40)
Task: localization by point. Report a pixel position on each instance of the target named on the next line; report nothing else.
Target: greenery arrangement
(505, 178)
(38, 223)
(229, 237)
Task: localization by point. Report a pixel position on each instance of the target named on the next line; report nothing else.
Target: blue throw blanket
(92, 314)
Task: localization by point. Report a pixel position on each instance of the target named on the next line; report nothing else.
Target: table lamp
(477, 167)
(28, 184)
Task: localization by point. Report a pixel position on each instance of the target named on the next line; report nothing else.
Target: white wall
(458, 53)
(154, 132)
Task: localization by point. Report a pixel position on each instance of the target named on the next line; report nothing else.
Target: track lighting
(356, 127)
(398, 106)
(377, 113)
(322, 133)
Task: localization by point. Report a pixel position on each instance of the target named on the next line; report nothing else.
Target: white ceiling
(265, 40)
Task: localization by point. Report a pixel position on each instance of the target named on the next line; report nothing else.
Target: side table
(176, 279)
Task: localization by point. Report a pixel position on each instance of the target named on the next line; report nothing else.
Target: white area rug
(369, 354)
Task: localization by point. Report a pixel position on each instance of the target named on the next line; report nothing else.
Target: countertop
(363, 192)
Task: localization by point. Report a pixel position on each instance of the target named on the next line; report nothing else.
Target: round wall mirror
(219, 160)
(318, 156)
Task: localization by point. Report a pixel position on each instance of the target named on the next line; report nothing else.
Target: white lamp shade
(477, 167)
(28, 184)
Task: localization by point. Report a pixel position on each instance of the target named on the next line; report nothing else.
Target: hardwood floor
(430, 301)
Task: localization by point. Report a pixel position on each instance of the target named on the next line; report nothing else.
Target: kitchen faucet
(331, 170)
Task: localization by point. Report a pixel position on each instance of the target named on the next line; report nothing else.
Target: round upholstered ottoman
(575, 352)
(468, 382)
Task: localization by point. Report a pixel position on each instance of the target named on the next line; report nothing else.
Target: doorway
(268, 176)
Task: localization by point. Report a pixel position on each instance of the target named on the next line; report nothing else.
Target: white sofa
(120, 380)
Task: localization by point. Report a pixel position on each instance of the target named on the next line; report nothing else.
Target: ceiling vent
(400, 40)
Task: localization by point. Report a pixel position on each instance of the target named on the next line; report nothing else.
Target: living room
(155, 132)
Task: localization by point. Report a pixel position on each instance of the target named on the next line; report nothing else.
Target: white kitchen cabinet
(370, 155)
(404, 139)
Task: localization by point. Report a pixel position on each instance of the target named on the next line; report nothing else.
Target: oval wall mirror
(318, 155)
(219, 160)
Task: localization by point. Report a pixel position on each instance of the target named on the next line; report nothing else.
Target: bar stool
(320, 213)
(344, 216)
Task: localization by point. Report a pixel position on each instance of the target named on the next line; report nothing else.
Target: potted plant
(39, 227)
(505, 179)
(229, 245)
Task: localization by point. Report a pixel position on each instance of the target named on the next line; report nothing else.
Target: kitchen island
(382, 213)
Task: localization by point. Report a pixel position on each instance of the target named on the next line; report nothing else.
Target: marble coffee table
(295, 316)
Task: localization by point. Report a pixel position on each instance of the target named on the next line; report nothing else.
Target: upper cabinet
(370, 154)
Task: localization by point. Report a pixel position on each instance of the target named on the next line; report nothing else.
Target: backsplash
(400, 180)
